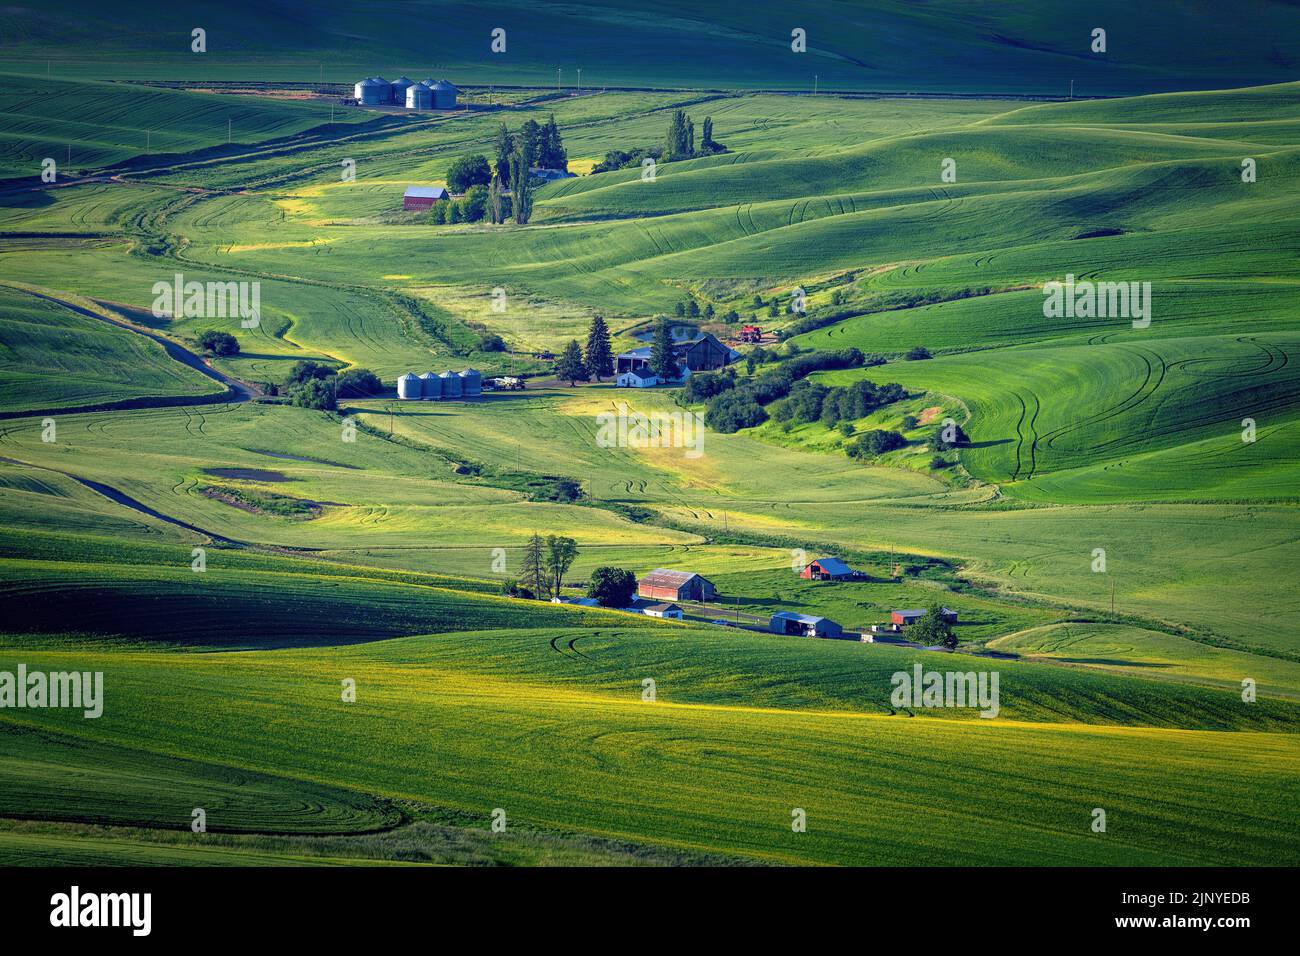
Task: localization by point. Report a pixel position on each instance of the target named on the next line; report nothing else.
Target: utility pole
(1072, 89)
(815, 79)
(558, 71)
(579, 79)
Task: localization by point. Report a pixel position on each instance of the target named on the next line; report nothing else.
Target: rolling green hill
(371, 543)
(965, 47)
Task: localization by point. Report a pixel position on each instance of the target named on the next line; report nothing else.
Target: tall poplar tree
(532, 574)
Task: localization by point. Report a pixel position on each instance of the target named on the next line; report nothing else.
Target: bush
(469, 171)
(879, 441)
(315, 394)
(219, 343)
(357, 383)
(611, 587)
(705, 385)
(513, 588)
(938, 462)
(910, 422)
(304, 371)
(473, 206)
(959, 438)
(492, 343)
(918, 353)
(732, 411)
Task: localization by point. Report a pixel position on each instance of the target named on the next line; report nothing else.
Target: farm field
(1114, 515)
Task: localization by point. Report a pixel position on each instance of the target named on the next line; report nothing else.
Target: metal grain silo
(471, 382)
(430, 386)
(444, 95)
(419, 96)
(399, 87)
(450, 385)
(373, 91)
(408, 386)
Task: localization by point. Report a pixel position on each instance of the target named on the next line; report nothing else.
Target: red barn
(422, 197)
(667, 585)
(827, 569)
(912, 616)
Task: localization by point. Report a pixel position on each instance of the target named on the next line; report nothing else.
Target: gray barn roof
(663, 578)
(832, 566)
(426, 192)
(801, 618)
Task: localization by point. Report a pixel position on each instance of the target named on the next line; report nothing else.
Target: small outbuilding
(637, 378)
(912, 615)
(548, 175)
(827, 569)
(663, 610)
(423, 197)
(668, 585)
(803, 625)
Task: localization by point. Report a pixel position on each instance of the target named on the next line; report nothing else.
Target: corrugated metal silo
(399, 87)
(430, 386)
(408, 386)
(419, 97)
(444, 95)
(471, 382)
(450, 385)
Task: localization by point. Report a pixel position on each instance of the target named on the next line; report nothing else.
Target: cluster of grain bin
(465, 384)
(373, 91)
(425, 95)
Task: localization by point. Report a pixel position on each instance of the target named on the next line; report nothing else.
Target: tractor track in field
(122, 498)
(236, 390)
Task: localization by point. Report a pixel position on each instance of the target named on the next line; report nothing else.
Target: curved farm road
(235, 390)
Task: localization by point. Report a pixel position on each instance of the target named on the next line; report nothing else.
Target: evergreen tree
(599, 357)
(571, 367)
(551, 154)
(706, 140)
(530, 139)
(690, 137)
(693, 309)
(662, 362)
(532, 573)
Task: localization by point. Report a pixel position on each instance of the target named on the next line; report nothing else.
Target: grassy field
(371, 544)
(655, 769)
(968, 49)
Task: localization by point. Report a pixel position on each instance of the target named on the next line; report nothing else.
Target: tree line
(500, 188)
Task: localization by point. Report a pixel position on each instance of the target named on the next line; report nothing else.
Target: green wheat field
(233, 562)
